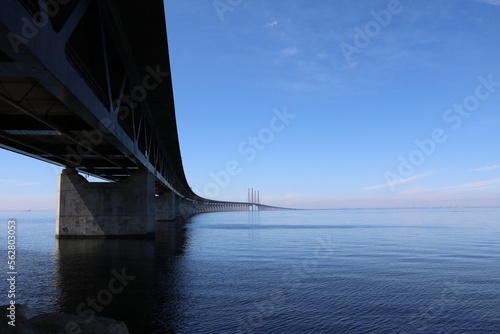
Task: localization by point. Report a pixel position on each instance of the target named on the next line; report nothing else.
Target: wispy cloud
(290, 51)
(19, 183)
(460, 187)
(29, 183)
(473, 185)
(490, 2)
(285, 200)
(271, 24)
(484, 169)
(400, 181)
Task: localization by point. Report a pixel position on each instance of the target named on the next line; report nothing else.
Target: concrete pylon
(167, 206)
(123, 209)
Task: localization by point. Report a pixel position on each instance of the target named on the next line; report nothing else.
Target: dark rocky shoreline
(26, 322)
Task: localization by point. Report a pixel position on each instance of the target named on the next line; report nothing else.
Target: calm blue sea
(341, 271)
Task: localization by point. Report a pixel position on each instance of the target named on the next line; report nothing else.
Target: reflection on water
(354, 271)
(128, 280)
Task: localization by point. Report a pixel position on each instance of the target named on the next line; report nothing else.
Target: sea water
(301, 271)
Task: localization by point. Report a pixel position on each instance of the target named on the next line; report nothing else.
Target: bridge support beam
(167, 206)
(105, 210)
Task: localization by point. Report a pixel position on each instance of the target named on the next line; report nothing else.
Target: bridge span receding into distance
(86, 85)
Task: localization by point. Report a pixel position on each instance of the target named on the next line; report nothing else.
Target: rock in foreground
(69, 323)
(27, 323)
(21, 320)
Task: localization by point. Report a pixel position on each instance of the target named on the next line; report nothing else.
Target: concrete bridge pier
(186, 208)
(167, 206)
(123, 209)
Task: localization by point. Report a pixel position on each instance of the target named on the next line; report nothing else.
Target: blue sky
(326, 104)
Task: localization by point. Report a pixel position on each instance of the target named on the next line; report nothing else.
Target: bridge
(86, 85)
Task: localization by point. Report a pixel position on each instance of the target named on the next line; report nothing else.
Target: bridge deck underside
(86, 84)
(35, 123)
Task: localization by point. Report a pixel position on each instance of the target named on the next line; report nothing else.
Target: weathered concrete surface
(167, 206)
(100, 209)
